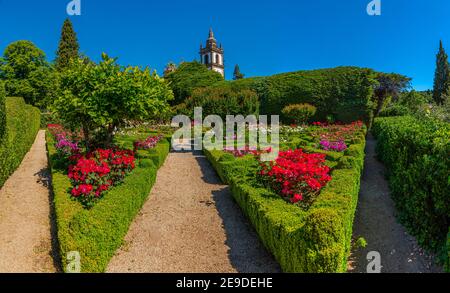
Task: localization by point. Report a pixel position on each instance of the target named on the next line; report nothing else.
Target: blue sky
(262, 36)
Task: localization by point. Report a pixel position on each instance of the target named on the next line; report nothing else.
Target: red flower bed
(296, 176)
(149, 143)
(336, 132)
(95, 173)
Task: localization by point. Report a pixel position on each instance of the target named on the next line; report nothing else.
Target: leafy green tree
(389, 86)
(190, 76)
(237, 73)
(68, 46)
(27, 73)
(441, 76)
(101, 97)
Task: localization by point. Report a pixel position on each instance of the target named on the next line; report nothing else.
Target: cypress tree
(441, 76)
(68, 46)
(237, 73)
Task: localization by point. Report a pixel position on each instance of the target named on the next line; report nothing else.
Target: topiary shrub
(299, 113)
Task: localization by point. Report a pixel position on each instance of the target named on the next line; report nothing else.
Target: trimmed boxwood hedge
(417, 156)
(2, 111)
(97, 233)
(22, 125)
(316, 240)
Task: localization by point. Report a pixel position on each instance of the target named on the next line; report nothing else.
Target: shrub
(416, 154)
(299, 113)
(314, 240)
(98, 232)
(296, 176)
(22, 125)
(223, 102)
(395, 110)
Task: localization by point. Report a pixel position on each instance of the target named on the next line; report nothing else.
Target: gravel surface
(191, 224)
(25, 216)
(375, 220)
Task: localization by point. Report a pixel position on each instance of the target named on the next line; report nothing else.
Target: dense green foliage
(68, 46)
(223, 101)
(345, 93)
(416, 154)
(188, 77)
(441, 85)
(2, 111)
(28, 74)
(22, 125)
(98, 232)
(389, 87)
(313, 240)
(100, 97)
(299, 113)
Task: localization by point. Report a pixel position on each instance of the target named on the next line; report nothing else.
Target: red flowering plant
(296, 176)
(149, 143)
(247, 150)
(96, 172)
(335, 133)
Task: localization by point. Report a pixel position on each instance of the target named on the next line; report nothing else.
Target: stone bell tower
(212, 55)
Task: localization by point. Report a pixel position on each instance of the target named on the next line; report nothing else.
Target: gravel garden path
(375, 220)
(191, 224)
(25, 216)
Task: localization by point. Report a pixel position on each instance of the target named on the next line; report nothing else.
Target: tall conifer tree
(237, 73)
(68, 46)
(442, 76)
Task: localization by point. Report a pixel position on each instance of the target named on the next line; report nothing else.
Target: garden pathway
(375, 220)
(191, 224)
(25, 218)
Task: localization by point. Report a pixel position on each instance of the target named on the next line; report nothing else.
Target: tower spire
(211, 33)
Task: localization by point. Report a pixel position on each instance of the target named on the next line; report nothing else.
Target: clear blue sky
(262, 36)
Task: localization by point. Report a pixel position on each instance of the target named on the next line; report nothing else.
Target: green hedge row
(346, 93)
(417, 156)
(316, 240)
(2, 111)
(22, 125)
(97, 233)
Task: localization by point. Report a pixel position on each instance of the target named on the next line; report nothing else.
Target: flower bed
(312, 239)
(96, 233)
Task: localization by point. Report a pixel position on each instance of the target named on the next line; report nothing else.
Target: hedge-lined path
(25, 215)
(375, 220)
(191, 224)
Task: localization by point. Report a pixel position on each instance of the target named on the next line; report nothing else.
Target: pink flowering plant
(335, 146)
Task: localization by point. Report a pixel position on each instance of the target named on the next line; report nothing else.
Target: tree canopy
(100, 97)
(27, 73)
(189, 76)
